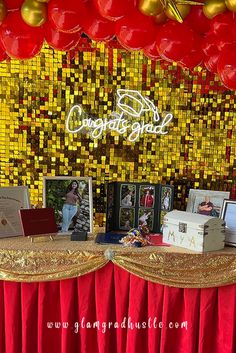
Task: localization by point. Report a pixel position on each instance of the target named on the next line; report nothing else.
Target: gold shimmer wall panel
(36, 95)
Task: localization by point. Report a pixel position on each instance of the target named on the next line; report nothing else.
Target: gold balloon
(150, 7)
(42, 0)
(161, 18)
(3, 11)
(182, 8)
(171, 7)
(231, 5)
(212, 8)
(34, 13)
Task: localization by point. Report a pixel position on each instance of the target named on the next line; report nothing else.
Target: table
(155, 299)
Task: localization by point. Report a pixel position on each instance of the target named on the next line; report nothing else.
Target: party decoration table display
(194, 231)
(137, 205)
(190, 33)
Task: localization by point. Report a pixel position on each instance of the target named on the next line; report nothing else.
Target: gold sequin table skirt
(24, 261)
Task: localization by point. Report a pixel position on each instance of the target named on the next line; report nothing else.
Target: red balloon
(135, 31)
(114, 9)
(195, 57)
(60, 40)
(191, 60)
(226, 67)
(20, 40)
(97, 27)
(174, 41)
(66, 15)
(223, 41)
(151, 51)
(209, 45)
(197, 20)
(211, 62)
(221, 24)
(13, 4)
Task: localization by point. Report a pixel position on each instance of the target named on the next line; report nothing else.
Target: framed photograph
(146, 218)
(127, 195)
(126, 218)
(228, 214)
(71, 198)
(166, 196)
(206, 202)
(143, 198)
(146, 196)
(12, 199)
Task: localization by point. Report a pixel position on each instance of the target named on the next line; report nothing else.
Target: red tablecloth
(43, 317)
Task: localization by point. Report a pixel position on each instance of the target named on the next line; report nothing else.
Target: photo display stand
(130, 205)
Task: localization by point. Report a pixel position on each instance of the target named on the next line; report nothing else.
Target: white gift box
(193, 231)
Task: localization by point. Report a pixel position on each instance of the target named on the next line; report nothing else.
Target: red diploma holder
(38, 222)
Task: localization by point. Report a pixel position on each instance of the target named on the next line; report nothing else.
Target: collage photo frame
(131, 205)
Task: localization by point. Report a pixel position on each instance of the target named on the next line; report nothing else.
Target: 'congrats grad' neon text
(117, 122)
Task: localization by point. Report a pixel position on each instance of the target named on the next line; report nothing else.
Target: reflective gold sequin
(21, 260)
(199, 150)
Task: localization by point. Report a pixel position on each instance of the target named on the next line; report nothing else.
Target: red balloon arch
(199, 33)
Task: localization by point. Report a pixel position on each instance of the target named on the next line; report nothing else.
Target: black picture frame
(142, 197)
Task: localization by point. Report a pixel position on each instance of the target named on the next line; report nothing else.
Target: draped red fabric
(113, 311)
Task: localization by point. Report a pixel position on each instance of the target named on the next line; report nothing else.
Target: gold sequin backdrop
(35, 95)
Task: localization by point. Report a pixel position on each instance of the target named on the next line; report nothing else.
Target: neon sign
(132, 105)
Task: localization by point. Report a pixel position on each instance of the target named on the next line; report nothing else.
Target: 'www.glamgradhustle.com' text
(126, 323)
